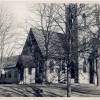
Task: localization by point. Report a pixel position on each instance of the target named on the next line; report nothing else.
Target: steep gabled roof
(56, 43)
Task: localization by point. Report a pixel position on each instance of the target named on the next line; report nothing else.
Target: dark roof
(10, 62)
(55, 45)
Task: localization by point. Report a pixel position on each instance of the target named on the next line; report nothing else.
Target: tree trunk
(67, 48)
(68, 81)
(84, 65)
(98, 71)
(71, 46)
(59, 75)
(97, 14)
(45, 79)
(59, 71)
(46, 57)
(74, 41)
(91, 72)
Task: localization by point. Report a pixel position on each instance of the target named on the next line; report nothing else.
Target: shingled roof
(10, 62)
(56, 43)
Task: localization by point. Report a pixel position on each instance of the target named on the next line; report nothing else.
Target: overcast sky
(19, 11)
(18, 8)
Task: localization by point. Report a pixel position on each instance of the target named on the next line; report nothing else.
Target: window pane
(30, 70)
(9, 74)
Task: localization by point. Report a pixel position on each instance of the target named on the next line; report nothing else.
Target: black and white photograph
(49, 49)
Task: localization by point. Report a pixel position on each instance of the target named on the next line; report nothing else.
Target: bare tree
(96, 43)
(55, 16)
(92, 38)
(47, 26)
(5, 35)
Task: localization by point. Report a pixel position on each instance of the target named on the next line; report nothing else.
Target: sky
(20, 12)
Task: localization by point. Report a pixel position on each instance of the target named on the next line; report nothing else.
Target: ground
(52, 90)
